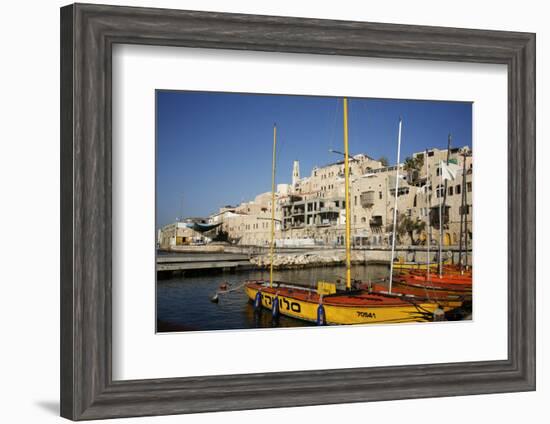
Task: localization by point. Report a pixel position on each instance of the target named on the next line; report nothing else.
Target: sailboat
(449, 280)
(328, 304)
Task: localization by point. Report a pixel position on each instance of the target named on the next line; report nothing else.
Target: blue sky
(214, 149)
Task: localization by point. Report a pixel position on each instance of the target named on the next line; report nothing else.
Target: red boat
(454, 288)
(442, 297)
(435, 278)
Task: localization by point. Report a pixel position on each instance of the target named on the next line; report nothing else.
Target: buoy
(275, 308)
(215, 298)
(321, 318)
(258, 301)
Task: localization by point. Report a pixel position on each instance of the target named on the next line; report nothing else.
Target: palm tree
(413, 165)
(406, 225)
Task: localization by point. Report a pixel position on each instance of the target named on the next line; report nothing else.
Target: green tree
(384, 161)
(410, 227)
(413, 165)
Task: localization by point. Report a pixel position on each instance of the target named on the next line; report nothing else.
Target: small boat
(352, 307)
(444, 298)
(436, 278)
(416, 265)
(439, 286)
(327, 304)
(448, 270)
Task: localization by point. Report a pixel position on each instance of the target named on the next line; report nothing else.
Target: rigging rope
(232, 289)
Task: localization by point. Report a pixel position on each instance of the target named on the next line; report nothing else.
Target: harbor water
(184, 302)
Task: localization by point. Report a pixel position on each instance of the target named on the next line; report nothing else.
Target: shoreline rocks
(309, 259)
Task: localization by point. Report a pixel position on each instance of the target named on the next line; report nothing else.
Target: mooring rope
(231, 289)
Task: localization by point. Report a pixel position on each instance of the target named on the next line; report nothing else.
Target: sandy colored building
(311, 210)
(178, 234)
(418, 199)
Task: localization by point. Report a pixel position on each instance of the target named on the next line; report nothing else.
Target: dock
(202, 261)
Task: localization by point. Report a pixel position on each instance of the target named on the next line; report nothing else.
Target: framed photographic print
(291, 211)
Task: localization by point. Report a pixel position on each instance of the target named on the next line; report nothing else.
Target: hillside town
(310, 210)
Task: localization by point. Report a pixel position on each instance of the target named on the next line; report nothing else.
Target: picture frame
(88, 33)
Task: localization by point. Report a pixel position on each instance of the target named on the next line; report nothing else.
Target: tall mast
(395, 204)
(440, 266)
(463, 217)
(272, 206)
(428, 210)
(440, 206)
(348, 219)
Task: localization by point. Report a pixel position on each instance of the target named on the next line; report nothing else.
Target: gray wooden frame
(88, 33)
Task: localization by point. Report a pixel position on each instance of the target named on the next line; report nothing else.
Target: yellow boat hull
(414, 265)
(346, 315)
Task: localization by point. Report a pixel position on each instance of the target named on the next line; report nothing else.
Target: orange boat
(445, 286)
(456, 268)
(445, 298)
(449, 279)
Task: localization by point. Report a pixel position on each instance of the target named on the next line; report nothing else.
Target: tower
(296, 173)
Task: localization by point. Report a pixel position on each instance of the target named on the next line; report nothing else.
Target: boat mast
(463, 216)
(428, 210)
(440, 189)
(395, 204)
(348, 219)
(272, 246)
(440, 268)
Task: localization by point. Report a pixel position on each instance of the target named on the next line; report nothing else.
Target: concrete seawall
(198, 258)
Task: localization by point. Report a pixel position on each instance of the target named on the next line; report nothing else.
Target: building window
(450, 190)
(355, 201)
(464, 210)
(363, 220)
(457, 189)
(469, 187)
(380, 195)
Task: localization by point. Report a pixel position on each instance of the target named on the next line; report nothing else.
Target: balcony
(375, 221)
(367, 199)
(330, 209)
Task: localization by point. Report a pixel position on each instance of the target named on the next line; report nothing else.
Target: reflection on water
(183, 303)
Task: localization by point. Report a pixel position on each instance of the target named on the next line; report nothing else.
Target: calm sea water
(183, 303)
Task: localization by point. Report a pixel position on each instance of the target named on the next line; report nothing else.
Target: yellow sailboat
(417, 265)
(326, 304)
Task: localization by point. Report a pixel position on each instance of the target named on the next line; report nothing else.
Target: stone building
(250, 222)
(311, 210)
(176, 234)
